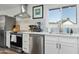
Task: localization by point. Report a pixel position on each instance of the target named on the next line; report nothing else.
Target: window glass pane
(69, 12)
(54, 15)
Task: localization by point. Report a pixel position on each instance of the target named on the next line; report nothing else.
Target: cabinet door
(25, 45)
(8, 39)
(68, 49)
(51, 48)
(51, 45)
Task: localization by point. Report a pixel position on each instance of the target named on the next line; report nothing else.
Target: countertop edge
(45, 33)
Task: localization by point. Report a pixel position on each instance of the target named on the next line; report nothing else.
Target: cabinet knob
(56, 45)
(59, 46)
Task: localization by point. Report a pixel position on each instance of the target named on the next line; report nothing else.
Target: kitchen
(39, 29)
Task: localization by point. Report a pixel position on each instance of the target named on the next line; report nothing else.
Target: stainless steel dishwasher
(36, 44)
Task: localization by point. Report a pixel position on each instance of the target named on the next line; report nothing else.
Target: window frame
(62, 11)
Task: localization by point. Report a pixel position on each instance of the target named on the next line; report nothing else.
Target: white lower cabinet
(8, 39)
(51, 48)
(57, 46)
(25, 45)
(68, 49)
(51, 45)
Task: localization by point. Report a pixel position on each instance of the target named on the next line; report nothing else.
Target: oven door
(16, 41)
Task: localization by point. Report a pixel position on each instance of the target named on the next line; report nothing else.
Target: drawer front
(25, 44)
(51, 38)
(69, 44)
(68, 39)
(26, 47)
(51, 42)
(26, 37)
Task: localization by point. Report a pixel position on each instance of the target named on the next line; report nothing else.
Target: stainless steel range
(16, 42)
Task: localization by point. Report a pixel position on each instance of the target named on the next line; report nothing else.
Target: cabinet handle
(56, 45)
(59, 46)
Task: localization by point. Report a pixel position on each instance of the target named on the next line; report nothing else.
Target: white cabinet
(51, 45)
(68, 48)
(68, 45)
(8, 39)
(60, 45)
(51, 48)
(78, 45)
(25, 43)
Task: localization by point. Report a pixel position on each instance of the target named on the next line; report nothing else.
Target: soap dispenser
(39, 26)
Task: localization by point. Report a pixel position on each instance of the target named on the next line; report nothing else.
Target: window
(68, 12)
(54, 15)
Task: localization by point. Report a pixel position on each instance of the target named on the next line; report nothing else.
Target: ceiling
(8, 6)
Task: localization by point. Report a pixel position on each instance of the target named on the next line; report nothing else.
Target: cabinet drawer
(68, 39)
(69, 44)
(26, 40)
(51, 38)
(25, 43)
(51, 42)
(26, 37)
(25, 46)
